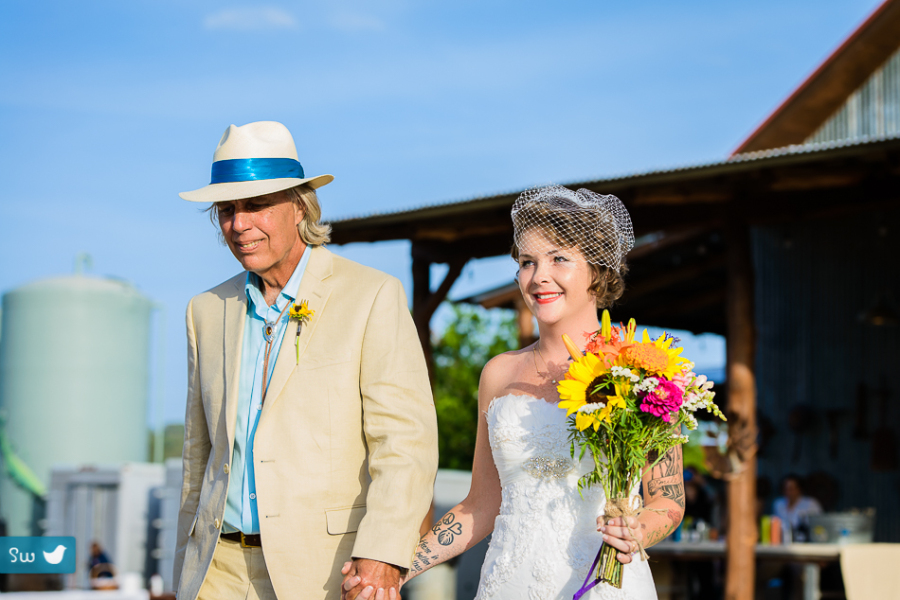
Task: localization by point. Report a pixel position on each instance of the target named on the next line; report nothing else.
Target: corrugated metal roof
(797, 150)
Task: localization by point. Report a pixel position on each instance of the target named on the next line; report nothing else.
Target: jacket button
(227, 469)
(217, 523)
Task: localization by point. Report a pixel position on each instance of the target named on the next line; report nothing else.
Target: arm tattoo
(446, 529)
(665, 482)
(427, 554)
(665, 478)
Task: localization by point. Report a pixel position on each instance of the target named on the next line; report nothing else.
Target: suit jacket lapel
(314, 287)
(235, 317)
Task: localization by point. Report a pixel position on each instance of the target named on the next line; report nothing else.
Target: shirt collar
(252, 286)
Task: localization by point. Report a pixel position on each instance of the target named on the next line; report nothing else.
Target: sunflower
(655, 357)
(585, 420)
(300, 312)
(612, 402)
(585, 374)
(594, 418)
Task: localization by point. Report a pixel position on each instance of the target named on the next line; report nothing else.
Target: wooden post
(421, 272)
(525, 321)
(425, 302)
(741, 411)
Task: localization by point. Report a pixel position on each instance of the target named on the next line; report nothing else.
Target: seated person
(794, 508)
(99, 564)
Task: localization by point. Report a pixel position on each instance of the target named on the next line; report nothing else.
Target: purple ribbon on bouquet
(585, 587)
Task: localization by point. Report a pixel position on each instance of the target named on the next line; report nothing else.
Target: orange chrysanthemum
(654, 357)
(647, 357)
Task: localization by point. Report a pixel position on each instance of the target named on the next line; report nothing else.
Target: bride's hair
(599, 227)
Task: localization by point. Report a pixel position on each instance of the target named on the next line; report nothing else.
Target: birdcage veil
(598, 226)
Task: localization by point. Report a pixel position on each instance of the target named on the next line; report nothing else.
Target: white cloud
(346, 20)
(251, 19)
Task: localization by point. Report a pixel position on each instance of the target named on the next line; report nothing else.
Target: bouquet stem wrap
(609, 569)
(625, 507)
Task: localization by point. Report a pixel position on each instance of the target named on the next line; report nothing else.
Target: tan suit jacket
(346, 446)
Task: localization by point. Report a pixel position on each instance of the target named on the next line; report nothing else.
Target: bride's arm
(471, 520)
(663, 488)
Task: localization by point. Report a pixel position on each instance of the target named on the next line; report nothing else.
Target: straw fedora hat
(253, 160)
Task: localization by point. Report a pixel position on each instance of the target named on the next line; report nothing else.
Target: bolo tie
(269, 335)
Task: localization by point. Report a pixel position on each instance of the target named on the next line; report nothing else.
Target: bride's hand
(624, 534)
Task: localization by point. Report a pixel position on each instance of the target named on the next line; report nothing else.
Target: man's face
(792, 490)
(262, 231)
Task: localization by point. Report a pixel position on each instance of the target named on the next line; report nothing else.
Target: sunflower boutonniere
(302, 314)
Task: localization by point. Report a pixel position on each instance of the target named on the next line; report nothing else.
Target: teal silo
(74, 374)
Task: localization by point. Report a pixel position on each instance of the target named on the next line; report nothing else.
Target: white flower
(692, 402)
(625, 373)
(647, 385)
(701, 382)
(589, 408)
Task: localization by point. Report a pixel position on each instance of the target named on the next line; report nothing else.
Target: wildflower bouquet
(627, 403)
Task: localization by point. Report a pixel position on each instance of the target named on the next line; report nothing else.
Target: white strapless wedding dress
(545, 537)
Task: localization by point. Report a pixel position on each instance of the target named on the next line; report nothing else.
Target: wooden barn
(790, 248)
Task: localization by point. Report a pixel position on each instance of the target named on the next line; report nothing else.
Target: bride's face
(554, 280)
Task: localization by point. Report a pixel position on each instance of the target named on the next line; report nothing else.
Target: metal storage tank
(74, 373)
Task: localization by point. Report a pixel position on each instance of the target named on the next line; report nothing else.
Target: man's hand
(367, 579)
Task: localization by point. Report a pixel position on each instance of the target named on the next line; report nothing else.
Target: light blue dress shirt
(240, 507)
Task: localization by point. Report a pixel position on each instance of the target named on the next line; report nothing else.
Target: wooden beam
(478, 247)
(817, 179)
(673, 276)
(666, 240)
(682, 194)
(741, 411)
(439, 295)
(686, 305)
(463, 231)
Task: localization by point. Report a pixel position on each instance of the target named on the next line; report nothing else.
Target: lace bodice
(545, 537)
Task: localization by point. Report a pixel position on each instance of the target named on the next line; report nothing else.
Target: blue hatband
(255, 169)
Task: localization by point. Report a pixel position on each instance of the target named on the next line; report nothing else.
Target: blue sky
(109, 109)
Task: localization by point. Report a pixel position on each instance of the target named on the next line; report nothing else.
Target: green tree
(473, 337)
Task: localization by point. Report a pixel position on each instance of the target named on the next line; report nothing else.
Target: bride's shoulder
(508, 361)
(500, 370)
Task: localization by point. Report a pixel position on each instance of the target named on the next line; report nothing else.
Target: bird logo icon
(55, 557)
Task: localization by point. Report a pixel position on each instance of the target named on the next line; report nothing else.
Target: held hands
(623, 534)
(370, 580)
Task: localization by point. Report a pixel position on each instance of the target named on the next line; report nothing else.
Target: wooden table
(810, 555)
